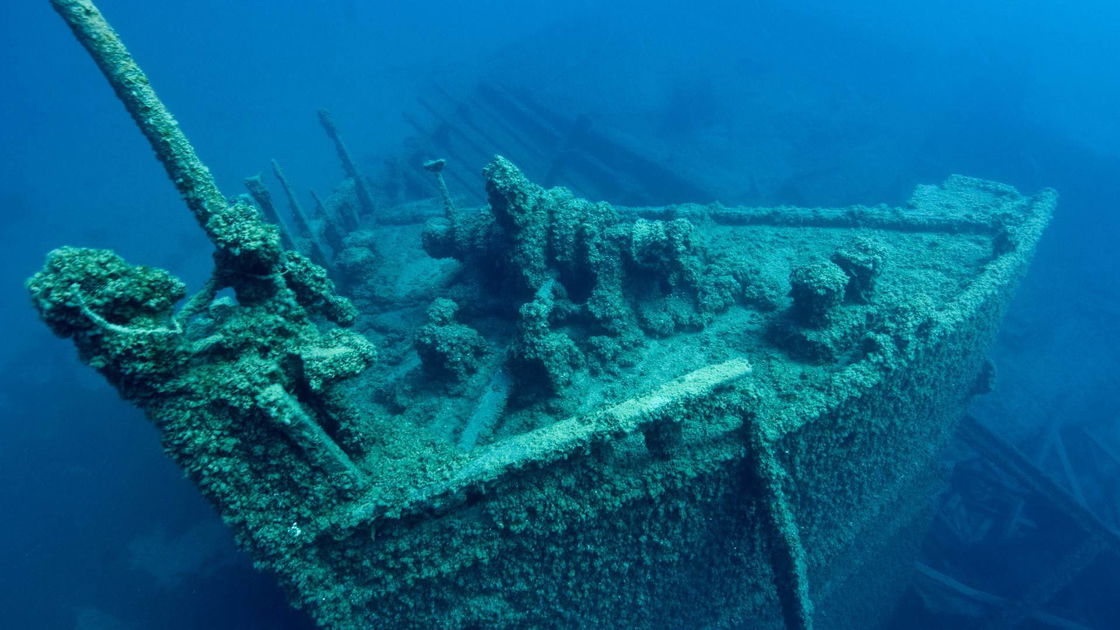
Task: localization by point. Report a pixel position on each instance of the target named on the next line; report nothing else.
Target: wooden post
(436, 167)
(174, 151)
(332, 231)
(300, 219)
(364, 199)
(259, 192)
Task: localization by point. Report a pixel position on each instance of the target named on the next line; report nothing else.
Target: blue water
(860, 100)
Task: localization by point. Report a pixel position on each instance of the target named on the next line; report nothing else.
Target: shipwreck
(541, 411)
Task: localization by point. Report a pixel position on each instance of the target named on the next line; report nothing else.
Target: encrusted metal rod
(190, 175)
(348, 221)
(303, 226)
(486, 412)
(320, 209)
(364, 199)
(436, 168)
(306, 432)
(259, 192)
(332, 233)
(298, 216)
(787, 554)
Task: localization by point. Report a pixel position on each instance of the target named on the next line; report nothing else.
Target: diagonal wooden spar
(191, 177)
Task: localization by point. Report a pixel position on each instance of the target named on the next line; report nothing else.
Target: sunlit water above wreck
(745, 103)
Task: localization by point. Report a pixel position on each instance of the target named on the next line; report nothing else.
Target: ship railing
(657, 416)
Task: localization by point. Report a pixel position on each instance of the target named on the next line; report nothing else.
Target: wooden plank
(563, 439)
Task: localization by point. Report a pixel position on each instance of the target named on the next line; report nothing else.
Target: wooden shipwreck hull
(726, 497)
(551, 413)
